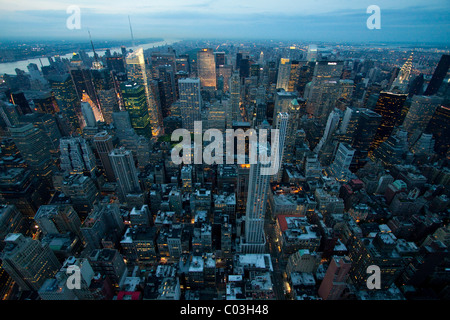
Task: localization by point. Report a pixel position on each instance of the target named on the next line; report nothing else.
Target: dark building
(389, 107)
(438, 76)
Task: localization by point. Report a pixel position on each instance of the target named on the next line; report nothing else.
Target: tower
(190, 101)
(438, 76)
(206, 67)
(125, 171)
(135, 102)
(256, 208)
(137, 73)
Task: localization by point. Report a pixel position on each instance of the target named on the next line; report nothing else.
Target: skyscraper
(67, 98)
(135, 102)
(77, 156)
(342, 160)
(104, 145)
(190, 101)
(420, 112)
(235, 97)
(256, 208)
(282, 122)
(438, 76)
(125, 171)
(389, 107)
(137, 72)
(206, 67)
(284, 73)
(439, 126)
(401, 82)
(28, 262)
(366, 129)
(35, 149)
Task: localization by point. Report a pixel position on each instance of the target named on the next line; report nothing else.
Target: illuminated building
(137, 73)
(190, 102)
(28, 262)
(136, 104)
(389, 107)
(77, 156)
(419, 114)
(206, 68)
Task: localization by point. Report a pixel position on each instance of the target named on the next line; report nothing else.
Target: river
(10, 67)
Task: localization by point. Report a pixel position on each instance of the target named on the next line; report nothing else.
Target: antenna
(93, 49)
(131, 30)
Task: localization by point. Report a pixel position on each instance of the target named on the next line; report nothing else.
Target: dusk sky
(296, 20)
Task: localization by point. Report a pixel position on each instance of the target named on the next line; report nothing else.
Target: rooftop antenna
(131, 31)
(93, 49)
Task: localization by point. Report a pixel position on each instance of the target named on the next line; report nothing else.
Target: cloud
(296, 20)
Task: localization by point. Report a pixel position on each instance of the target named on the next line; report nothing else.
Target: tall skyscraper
(125, 171)
(438, 76)
(366, 129)
(67, 98)
(235, 97)
(104, 145)
(28, 262)
(190, 101)
(389, 107)
(284, 73)
(282, 124)
(135, 102)
(439, 126)
(206, 67)
(401, 82)
(256, 208)
(419, 113)
(137, 72)
(34, 147)
(323, 91)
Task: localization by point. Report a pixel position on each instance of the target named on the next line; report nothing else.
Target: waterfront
(9, 67)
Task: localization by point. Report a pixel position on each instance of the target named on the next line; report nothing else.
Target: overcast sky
(312, 20)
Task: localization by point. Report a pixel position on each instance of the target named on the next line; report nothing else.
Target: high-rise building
(58, 219)
(135, 101)
(258, 189)
(137, 73)
(28, 262)
(77, 156)
(366, 129)
(11, 221)
(438, 76)
(284, 73)
(419, 113)
(104, 145)
(439, 126)
(206, 67)
(323, 91)
(34, 147)
(401, 82)
(281, 124)
(235, 97)
(334, 282)
(342, 160)
(389, 107)
(190, 102)
(67, 98)
(125, 171)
